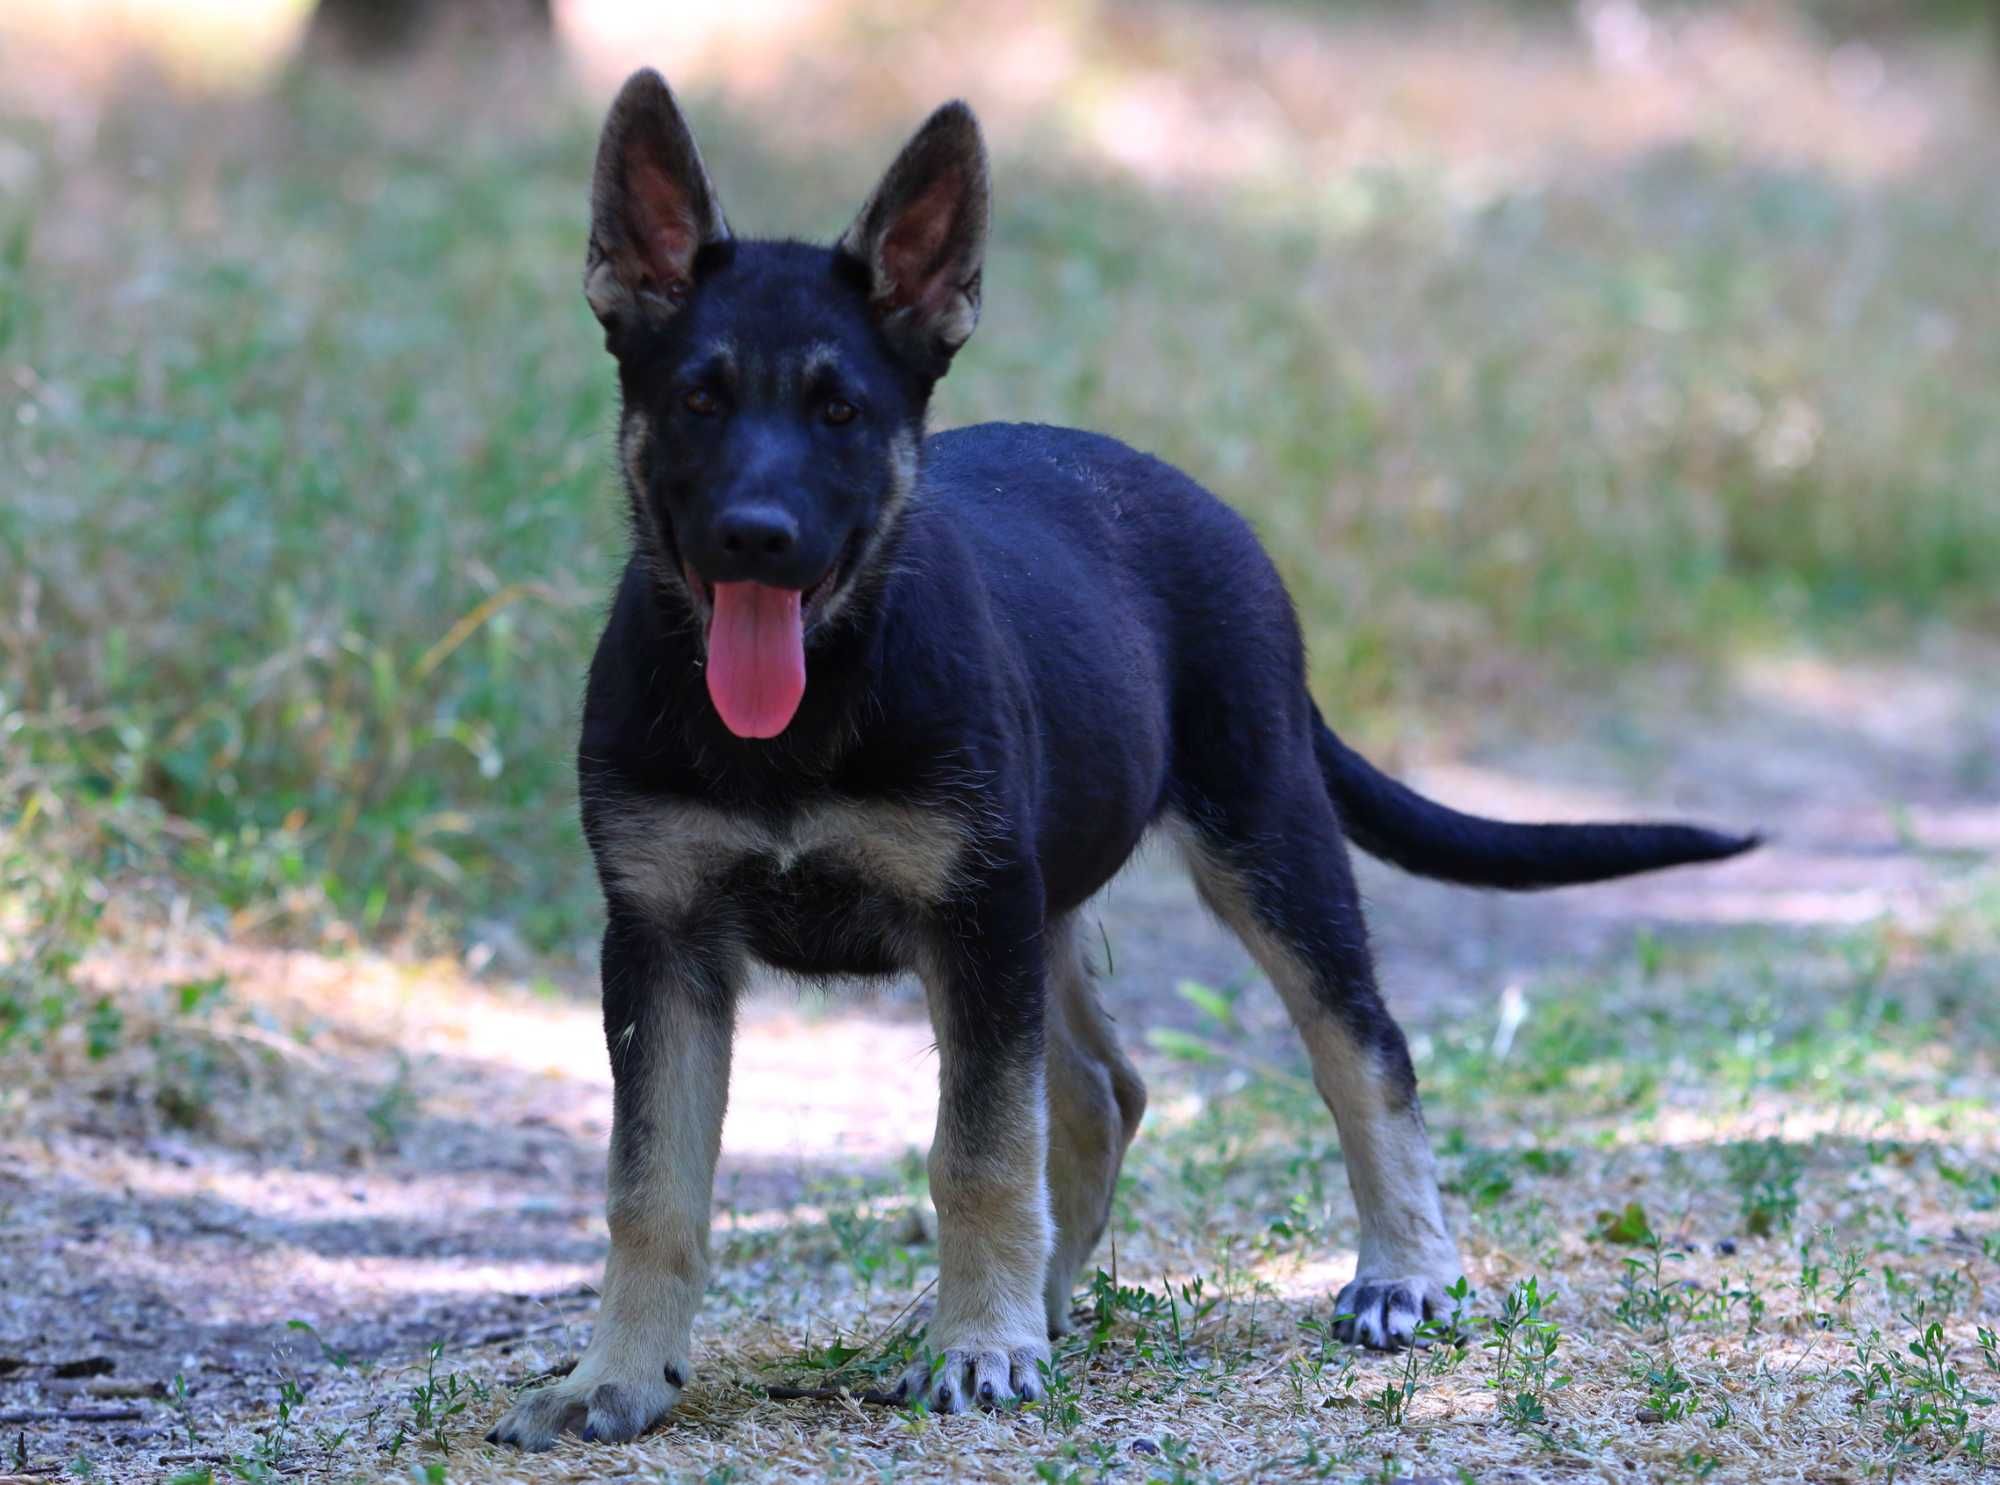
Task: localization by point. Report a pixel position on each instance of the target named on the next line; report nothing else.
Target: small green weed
(390, 1111)
(1923, 1404)
(432, 1404)
(1061, 1408)
(1766, 1175)
(1523, 1343)
(177, 1399)
(1081, 1464)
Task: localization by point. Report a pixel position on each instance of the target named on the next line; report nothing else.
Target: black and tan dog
(872, 702)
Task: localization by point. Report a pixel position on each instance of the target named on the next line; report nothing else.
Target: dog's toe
(599, 1412)
(990, 1381)
(1024, 1371)
(539, 1419)
(620, 1413)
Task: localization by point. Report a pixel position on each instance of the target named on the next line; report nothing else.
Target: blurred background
(1615, 382)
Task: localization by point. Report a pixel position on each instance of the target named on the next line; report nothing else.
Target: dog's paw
(598, 1409)
(1383, 1314)
(974, 1376)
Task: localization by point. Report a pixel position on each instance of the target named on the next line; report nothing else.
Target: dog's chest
(671, 855)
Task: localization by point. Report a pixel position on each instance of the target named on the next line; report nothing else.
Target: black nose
(755, 534)
(754, 541)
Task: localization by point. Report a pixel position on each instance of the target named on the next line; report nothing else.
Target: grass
(308, 518)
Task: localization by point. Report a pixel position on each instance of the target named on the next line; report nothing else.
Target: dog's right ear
(652, 208)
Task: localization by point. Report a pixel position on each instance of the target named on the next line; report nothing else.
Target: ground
(1614, 385)
(402, 1155)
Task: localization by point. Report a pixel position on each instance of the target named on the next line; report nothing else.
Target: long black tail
(1399, 825)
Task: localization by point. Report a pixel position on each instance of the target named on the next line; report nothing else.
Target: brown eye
(838, 412)
(702, 404)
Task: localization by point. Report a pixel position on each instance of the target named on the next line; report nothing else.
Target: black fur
(1394, 822)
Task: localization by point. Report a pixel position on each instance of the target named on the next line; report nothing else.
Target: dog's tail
(1394, 822)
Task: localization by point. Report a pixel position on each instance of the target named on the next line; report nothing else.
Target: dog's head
(774, 392)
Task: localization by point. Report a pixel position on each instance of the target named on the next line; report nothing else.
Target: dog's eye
(702, 404)
(837, 412)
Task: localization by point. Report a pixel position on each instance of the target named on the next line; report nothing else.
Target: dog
(872, 701)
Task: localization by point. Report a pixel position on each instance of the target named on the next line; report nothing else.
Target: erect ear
(651, 207)
(922, 239)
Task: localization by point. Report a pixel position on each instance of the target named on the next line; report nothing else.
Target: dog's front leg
(988, 1166)
(669, 1014)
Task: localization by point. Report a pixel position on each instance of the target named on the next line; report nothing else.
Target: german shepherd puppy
(871, 701)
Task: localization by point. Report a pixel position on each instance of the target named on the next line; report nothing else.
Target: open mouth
(813, 599)
(756, 667)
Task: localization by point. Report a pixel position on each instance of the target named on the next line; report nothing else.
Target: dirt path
(400, 1153)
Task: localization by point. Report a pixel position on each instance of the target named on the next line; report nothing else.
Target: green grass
(307, 518)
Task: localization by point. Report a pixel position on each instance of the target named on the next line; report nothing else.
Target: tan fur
(660, 854)
(604, 290)
(658, 1214)
(821, 355)
(723, 352)
(992, 1199)
(635, 437)
(1096, 1100)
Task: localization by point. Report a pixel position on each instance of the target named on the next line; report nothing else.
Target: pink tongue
(756, 658)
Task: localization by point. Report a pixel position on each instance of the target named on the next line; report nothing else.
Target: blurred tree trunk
(375, 30)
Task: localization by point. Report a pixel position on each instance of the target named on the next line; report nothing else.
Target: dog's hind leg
(1095, 1102)
(1275, 869)
(669, 1016)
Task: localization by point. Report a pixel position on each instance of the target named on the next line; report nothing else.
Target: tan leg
(669, 1019)
(1095, 1103)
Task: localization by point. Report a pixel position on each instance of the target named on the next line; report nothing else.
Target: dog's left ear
(922, 240)
(652, 208)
